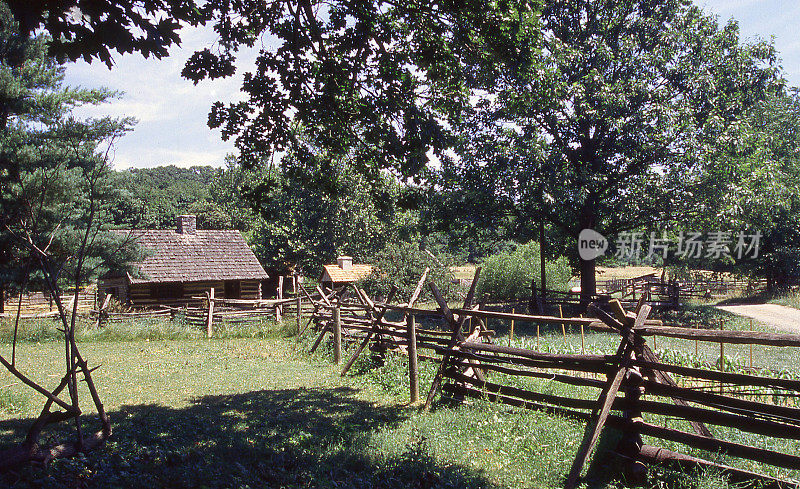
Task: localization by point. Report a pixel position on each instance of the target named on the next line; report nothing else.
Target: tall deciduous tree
(750, 187)
(609, 107)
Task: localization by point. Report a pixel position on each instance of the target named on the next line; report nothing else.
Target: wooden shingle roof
(205, 255)
(334, 273)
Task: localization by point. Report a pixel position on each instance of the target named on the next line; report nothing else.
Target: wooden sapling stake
(563, 328)
(537, 336)
(583, 342)
(413, 367)
(511, 332)
(337, 335)
(721, 354)
(751, 349)
(210, 318)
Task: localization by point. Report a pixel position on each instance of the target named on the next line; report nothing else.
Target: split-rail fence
(633, 388)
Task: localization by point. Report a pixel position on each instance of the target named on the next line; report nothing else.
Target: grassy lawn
(466, 272)
(789, 299)
(608, 273)
(256, 411)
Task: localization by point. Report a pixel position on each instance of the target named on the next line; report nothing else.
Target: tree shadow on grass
(279, 438)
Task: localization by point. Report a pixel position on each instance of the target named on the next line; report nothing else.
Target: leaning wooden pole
(456, 335)
(298, 305)
(375, 325)
(606, 399)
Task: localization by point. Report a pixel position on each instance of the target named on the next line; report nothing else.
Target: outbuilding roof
(334, 273)
(203, 255)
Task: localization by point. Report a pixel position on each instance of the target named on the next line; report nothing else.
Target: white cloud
(172, 112)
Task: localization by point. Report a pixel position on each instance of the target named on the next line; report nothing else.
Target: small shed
(186, 262)
(343, 272)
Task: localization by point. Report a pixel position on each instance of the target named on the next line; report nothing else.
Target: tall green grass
(39, 330)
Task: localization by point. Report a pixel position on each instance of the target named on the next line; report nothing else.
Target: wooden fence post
(413, 367)
(337, 335)
(101, 312)
(298, 304)
(210, 319)
(279, 296)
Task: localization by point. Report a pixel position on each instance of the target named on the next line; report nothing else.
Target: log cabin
(186, 262)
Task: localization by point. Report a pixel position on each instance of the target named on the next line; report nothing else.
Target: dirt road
(779, 317)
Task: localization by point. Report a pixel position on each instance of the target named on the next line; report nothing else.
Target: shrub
(508, 275)
(402, 264)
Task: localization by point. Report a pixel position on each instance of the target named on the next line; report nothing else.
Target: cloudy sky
(172, 112)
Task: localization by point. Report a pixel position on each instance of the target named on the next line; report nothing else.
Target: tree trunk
(587, 219)
(588, 282)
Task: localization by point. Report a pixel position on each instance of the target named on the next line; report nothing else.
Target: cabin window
(233, 289)
(166, 291)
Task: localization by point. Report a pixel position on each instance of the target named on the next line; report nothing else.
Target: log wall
(140, 294)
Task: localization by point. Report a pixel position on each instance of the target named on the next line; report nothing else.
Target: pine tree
(54, 184)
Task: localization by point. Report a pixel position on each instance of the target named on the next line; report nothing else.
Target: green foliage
(508, 275)
(230, 189)
(751, 186)
(55, 178)
(210, 215)
(402, 264)
(311, 214)
(79, 31)
(601, 124)
(152, 197)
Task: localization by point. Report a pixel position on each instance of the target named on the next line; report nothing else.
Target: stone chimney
(345, 262)
(187, 224)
